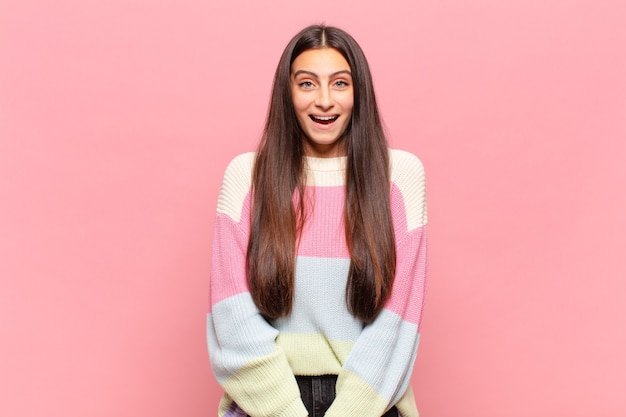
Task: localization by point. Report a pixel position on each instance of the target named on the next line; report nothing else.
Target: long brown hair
(279, 172)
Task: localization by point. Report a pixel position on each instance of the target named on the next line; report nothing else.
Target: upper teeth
(324, 117)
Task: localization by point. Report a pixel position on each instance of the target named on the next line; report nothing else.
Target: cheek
(299, 103)
(301, 113)
(348, 102)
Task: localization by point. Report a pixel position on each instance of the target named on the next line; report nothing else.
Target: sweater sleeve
(250, 367)
(377, 372)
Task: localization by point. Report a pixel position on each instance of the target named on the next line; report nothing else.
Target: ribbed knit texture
(255, 361)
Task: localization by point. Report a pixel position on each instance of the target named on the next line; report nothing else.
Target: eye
(341, 83)
(306, 84)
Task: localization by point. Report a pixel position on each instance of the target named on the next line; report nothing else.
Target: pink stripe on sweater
(228, 271)
(324, 234)
(407, 296)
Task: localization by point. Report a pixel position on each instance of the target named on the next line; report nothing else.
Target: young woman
(319, 251)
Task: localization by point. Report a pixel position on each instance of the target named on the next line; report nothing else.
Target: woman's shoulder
(409, 185)
(236, 184)
(405, 166)
(241, 164)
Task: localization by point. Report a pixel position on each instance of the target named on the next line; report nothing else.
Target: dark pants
(318, 393)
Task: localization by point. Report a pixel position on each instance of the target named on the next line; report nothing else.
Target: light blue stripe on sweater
(389, 346)
(237, 334)
(319, 302)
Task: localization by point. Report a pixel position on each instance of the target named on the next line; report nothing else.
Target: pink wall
(117, 119)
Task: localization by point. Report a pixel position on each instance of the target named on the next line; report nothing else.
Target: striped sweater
(255, 360)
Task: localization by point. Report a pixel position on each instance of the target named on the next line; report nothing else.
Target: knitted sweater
(255, 360)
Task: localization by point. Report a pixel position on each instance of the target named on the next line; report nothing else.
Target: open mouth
(324, 120)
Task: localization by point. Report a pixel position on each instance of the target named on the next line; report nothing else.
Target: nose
(324, 99)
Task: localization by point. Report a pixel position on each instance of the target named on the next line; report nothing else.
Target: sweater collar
(313, 163)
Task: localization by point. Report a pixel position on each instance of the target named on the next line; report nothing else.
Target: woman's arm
(244, 357)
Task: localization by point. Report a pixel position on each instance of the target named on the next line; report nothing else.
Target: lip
(324, 122)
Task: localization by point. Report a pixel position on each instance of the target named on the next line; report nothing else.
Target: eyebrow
(312, 74)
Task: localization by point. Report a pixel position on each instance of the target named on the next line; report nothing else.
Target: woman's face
(323, 97)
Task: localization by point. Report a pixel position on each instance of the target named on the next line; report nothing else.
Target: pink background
(118, 117)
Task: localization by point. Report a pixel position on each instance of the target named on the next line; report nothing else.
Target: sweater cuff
(355, 398)
(295, 409)
(266, 387)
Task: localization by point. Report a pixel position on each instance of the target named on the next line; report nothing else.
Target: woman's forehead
(320, 61)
